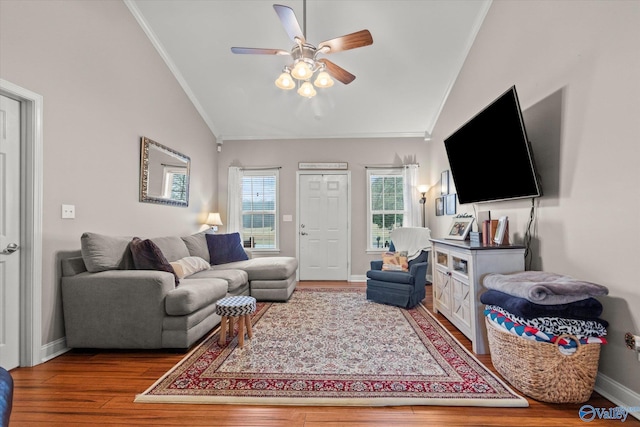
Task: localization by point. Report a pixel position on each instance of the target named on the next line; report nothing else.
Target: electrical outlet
(68, 211)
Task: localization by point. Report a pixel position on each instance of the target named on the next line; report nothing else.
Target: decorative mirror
(164, 174)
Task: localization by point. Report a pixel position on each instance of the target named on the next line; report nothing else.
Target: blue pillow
(224, 248)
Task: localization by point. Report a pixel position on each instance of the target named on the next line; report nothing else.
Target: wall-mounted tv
(490, 156)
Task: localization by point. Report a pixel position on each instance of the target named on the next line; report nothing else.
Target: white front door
(9, 233)
(323, 226)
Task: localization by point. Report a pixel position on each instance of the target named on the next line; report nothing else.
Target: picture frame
(500, 230)
(450, 204)
(460, 227)
(444, 183)
(439, 206)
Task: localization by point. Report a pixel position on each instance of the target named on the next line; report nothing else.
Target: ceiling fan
(306, 62)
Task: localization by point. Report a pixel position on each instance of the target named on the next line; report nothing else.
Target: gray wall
(104, 86)
(287, 153)
(576, 66)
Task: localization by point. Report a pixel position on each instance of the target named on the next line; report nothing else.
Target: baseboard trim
(53, 349)
(357, 278)
(618, 394)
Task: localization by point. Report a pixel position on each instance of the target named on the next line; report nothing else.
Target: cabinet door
(461, 292)
(442, 290)
(461, 308)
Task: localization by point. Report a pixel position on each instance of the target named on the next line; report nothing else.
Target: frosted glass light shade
(323, 80)
(301, 71)
(285, 82)
(307, 90)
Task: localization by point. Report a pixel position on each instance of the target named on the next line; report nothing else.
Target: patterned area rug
(334, 347)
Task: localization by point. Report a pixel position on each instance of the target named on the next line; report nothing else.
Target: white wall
(104, 86)
(287, 153)
(575, 65)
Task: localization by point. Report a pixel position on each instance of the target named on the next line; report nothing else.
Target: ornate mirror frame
(164, 174)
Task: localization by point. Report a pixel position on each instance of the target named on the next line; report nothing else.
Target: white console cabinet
(458, 268)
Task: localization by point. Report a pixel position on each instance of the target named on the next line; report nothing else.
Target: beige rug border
(517, 402)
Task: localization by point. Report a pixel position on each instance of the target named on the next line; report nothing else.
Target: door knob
(11, 248)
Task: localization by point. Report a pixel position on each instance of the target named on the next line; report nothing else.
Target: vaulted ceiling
(402, 79)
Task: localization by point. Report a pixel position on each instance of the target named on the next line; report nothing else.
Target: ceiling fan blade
(259, 51)
(337, 72)
(350, 41)
(290, 22)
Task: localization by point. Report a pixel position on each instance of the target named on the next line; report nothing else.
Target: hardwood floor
(98, 387)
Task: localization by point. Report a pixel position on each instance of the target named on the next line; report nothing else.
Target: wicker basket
(540, 370)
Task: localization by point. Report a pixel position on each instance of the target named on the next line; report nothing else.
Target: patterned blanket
(566, 346)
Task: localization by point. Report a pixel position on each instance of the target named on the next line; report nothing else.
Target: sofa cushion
(225, 248)
(101, 253)
(391, 276)
(172, 247)
(193, 294)
(187, 266)
(265, 268)
(197, 245)
(148, 256)
(236, 279)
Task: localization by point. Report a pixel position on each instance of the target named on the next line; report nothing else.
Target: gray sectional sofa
(107, 303)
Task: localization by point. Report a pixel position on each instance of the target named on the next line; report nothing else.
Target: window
(385, 195)
(259, 227)
(175, 182)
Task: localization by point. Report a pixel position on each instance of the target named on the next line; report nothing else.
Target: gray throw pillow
(101, 253)
(197, 245)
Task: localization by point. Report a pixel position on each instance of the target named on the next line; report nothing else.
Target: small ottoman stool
(238, 306)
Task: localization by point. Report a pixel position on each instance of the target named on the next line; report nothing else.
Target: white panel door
(324, 227)
(9, 233)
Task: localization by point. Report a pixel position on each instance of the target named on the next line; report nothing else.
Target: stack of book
(489, 228)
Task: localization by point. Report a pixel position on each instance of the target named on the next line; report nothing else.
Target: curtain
(413, 214)
(234, 200)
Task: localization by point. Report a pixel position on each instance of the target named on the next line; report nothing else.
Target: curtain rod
(391, 167)
(260, 168)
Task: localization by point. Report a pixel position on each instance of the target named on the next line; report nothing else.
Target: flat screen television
(490, 155)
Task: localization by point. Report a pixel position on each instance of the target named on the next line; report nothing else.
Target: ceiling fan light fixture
(323, 80)
(302, 71)
(307, 90)
(285, 81)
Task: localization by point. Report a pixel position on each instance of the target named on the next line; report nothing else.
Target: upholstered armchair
(402, 288)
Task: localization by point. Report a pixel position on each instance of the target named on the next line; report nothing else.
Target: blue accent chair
(6, 396)
(404, 289)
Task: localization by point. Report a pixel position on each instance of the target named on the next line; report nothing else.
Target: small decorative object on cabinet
(460, 227)
(457, 270)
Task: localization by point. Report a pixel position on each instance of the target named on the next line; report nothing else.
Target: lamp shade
(285, 81)
(323, 80)
(301, 71)
(214, 219)
(307, 90)
(423, 188)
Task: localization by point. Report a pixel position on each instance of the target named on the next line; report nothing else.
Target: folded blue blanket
(586, 309)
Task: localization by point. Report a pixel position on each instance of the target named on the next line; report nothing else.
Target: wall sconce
(214, 220)
(423, 189)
